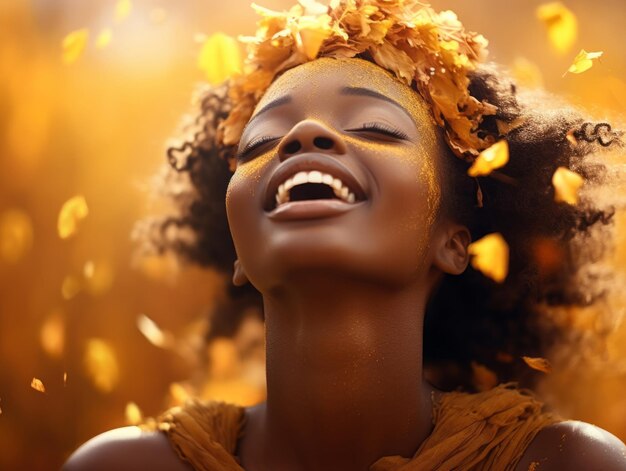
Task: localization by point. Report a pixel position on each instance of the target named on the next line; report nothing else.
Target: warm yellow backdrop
(97, 128)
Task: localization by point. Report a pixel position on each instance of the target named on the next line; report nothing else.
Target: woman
(352, 215)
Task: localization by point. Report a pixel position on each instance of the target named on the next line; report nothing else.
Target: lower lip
(311, 209)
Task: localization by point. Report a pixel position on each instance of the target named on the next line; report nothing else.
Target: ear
(239, 275)
(451, 255)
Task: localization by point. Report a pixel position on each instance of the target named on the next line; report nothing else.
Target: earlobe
(452, 255)
(239, 275)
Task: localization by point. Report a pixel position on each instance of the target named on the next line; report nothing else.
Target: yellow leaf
(74, 44)
(220, 57)
(133, 414)
(539, 364)
(52, 334)
(583, 61)
(490, 256)
(561, 23)
(72, 213)
(153, 333)
(16, 235)
(123, 9)
(101, 365)
(37, 385)
(526, 73)
(70, 287)
(566, 184)
(490, 159)
(104, 38)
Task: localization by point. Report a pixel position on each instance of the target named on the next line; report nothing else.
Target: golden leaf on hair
(583, 61)
(101, 365)
(74, 44)
(561, 23)
(490, 159)
(219, 58)
(16, 235)
(490, 256)
(37, 385)
(123, 9)
(71, 215)
(52, 334)
(483, 378)
(133, 414)
(539, 364)
(566, 184)
(104, 38)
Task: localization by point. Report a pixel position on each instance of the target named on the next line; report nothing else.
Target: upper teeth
(314, 176)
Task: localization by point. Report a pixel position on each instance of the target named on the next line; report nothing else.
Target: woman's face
(336, 176)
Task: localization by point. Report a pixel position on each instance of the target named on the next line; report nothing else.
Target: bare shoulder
(126, 448)
(573, 446)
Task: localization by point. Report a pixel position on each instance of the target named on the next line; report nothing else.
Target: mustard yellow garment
(484, 431)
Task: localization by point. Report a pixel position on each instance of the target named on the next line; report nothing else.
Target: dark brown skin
(344, 295)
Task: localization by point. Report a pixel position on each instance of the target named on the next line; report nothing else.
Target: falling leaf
(71, 215)
(64, 378)
(123, 9)
(561, 23)
(101, 365)
(153, 333)
(104, 38)
(74, 44)
(52, 334)
(526, 73)
(133, 414)
(566, 184)
(490, 256)
(583, 61)
(539, 364)
(70, 287)
(490, 159)
(219, 58)
(16, 235)
(37, 385)
(483, 378)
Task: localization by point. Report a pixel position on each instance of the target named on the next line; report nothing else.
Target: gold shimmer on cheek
(249, 174)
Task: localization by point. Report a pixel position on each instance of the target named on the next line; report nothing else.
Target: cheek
(246, 183)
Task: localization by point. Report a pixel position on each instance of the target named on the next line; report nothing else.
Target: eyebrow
(272, 104)
(360, 91)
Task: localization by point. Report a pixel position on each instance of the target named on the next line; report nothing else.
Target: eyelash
(377, 127)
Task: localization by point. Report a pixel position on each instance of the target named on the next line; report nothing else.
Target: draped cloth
(472, 432)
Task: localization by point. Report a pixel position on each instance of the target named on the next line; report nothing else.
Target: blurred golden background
(92, 338)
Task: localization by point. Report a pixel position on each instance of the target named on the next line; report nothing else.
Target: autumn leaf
(220, 57)
(101, 365)
(71, 215)
(16, 235)
(153, 333)
(490, 256)
(539, 364)
(561, 23)
(583, 61)
(566, 184)
(104, 38)
(133, 414)
(73, 45)
(123, 9)
(490, 159)
(37, 385)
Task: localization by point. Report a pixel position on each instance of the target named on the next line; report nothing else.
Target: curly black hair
(470, 319)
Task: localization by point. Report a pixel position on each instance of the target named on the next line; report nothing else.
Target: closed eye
(381, 128)
(254, 144)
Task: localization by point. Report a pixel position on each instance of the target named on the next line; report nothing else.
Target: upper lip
(306, 163)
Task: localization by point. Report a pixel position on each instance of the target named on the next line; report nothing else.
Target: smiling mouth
(312, 185)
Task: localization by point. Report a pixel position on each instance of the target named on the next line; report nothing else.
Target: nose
(311, 136)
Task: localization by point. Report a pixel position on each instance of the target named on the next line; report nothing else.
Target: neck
(344, 375)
